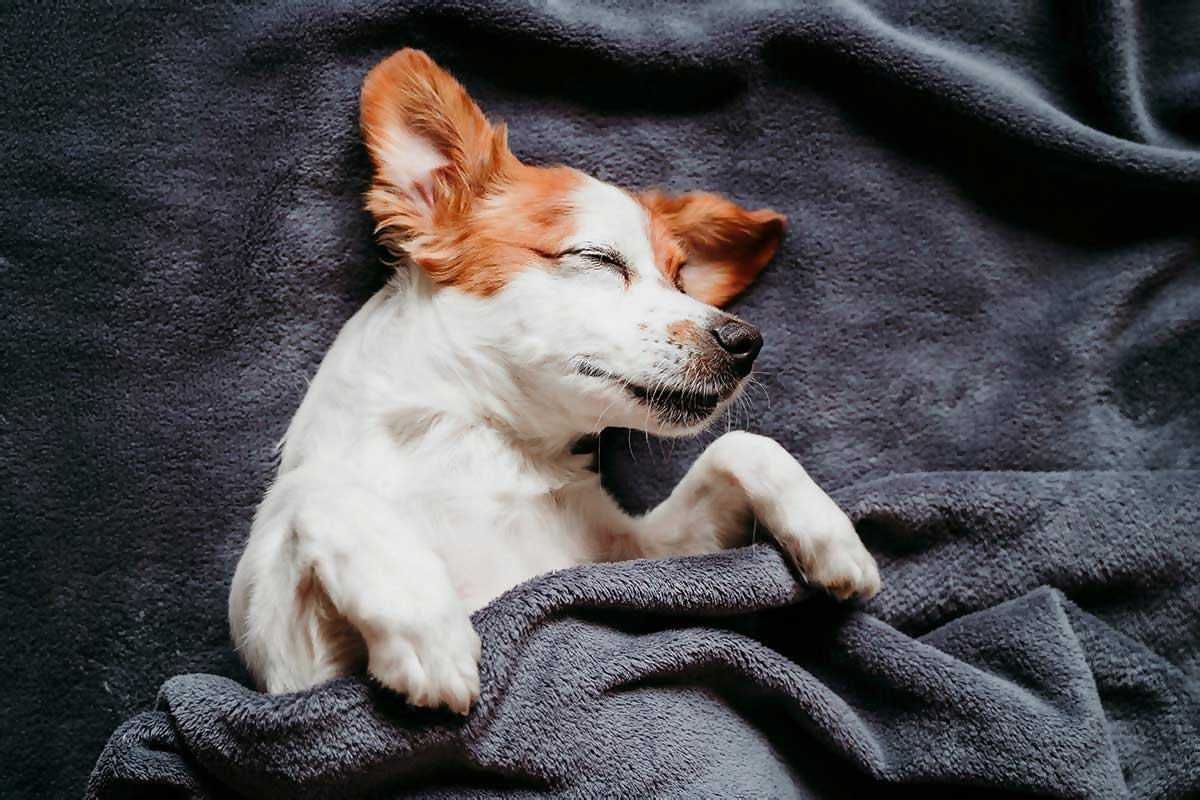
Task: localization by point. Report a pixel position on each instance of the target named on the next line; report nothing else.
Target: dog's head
(604, 298)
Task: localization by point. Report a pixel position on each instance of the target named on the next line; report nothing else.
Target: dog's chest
(514, 536)
(497, 519)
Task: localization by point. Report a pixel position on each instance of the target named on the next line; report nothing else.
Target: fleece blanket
(981, 333)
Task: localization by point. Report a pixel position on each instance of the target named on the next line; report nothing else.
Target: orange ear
(434, 152)
(726, 245)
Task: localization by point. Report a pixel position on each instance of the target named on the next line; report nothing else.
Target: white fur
(429, 469)
(408, 162)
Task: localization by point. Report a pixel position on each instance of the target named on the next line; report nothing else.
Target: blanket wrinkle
(1011, 690)
(1112, 38)
(977, 88)
(980, 330)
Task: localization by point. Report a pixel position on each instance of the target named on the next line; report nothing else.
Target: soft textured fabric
(981, 332)
(721, 677)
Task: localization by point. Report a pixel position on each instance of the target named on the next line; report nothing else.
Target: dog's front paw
(830, 555)
(432, 667)
(844, 568)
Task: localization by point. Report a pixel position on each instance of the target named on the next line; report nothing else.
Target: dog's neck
(434, 361)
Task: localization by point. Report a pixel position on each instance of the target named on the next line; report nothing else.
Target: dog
(435, 461)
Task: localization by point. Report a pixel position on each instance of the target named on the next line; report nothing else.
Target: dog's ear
(726, 246)
(433, 150)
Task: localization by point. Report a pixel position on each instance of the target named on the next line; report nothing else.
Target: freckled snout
(741, 342)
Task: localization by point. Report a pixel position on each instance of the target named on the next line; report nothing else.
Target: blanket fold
(704, 677)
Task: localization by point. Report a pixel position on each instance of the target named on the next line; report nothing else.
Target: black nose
(741, 341)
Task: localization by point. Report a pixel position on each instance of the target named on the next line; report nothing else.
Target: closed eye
(603, 256)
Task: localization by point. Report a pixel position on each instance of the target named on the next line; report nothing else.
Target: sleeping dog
(434, 462)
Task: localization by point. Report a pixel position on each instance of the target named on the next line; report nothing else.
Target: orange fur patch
(449, 194)
(669, 255)
(726, 246)
(683, 332)
(482, 215)
(523, 220)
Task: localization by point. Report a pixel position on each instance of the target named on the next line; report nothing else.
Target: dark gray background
(992, 263)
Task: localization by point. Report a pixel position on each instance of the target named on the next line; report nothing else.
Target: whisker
(600, 418)
(757, 384)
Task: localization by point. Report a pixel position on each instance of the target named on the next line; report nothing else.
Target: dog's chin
(673, 411)
(680, 412)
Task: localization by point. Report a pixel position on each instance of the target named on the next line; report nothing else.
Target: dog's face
(599, 298)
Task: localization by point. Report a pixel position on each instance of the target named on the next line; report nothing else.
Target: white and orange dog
(434, 463)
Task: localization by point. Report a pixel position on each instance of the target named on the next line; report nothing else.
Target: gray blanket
(721, 677)
(982, 333)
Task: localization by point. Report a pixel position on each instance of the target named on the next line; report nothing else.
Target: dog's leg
(395, 590)
(742, 479)
(346, 547)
